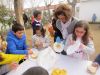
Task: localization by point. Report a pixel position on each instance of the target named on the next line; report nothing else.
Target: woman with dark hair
(81, 36)
(65, 22)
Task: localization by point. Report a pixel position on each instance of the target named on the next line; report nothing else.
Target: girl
(81, 36)
(37, 20)
(39, 40)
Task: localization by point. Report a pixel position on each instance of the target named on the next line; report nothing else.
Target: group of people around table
(64, 26)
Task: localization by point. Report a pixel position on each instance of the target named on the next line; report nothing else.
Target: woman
(65, 21)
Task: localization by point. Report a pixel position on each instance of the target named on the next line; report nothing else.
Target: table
(73, 66)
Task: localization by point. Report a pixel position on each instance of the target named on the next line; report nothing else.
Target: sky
(31, 3)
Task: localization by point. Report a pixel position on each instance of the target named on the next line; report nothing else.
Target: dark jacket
(58, 28)
(34, 24)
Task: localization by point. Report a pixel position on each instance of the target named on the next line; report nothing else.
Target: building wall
(87, 8)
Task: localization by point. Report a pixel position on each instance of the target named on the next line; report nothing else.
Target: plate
(35, 54)
(58, 47)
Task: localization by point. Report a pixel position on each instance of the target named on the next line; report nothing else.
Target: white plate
(34, 55)
(58, 49)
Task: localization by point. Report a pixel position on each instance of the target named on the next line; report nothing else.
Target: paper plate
(34, 55)
(58, 47)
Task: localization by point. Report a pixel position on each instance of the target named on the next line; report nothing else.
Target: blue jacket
(16, 45)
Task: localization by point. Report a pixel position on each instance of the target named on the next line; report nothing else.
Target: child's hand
(1, 57)
(72, 42)
(40, 45)
(13, 65)
(82, 46)
(30, 51)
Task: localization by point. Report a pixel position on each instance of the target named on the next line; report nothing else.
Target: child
(51, 35)
(36, 71)
(81, 36)
(39, 40)
(16, 40)
(37, 20)
(7, 60)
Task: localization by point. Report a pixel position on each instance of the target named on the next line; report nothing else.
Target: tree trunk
(18, 6)
(73, 4)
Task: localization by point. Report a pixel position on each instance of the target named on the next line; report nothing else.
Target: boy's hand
(30, 51)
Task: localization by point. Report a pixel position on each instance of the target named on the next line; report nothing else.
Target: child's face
(39, 17)
(38, 32)
(19, 34)
(79, 31)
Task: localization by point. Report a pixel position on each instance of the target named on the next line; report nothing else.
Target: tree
(18, 6)
(48, 4)
(73, 4)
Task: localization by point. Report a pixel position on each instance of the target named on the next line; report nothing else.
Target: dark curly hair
(63, 9)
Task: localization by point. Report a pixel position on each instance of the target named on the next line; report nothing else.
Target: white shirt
(39, 22)
(64, 28)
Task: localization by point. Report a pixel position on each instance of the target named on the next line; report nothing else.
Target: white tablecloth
(73, 66)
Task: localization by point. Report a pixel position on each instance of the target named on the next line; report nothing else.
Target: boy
(36, 71)
(37, 20)
(16, 40)
(7, 61)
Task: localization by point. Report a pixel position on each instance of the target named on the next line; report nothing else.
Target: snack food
(59, 72)
(34, 55)
(91, 69)
(58, 47)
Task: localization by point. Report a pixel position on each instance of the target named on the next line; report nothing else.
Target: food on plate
(58, 45)
(34, 55)
(91, 69)
(59, 72)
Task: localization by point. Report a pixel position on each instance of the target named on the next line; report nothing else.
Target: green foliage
(45, 17)
(5, 18)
